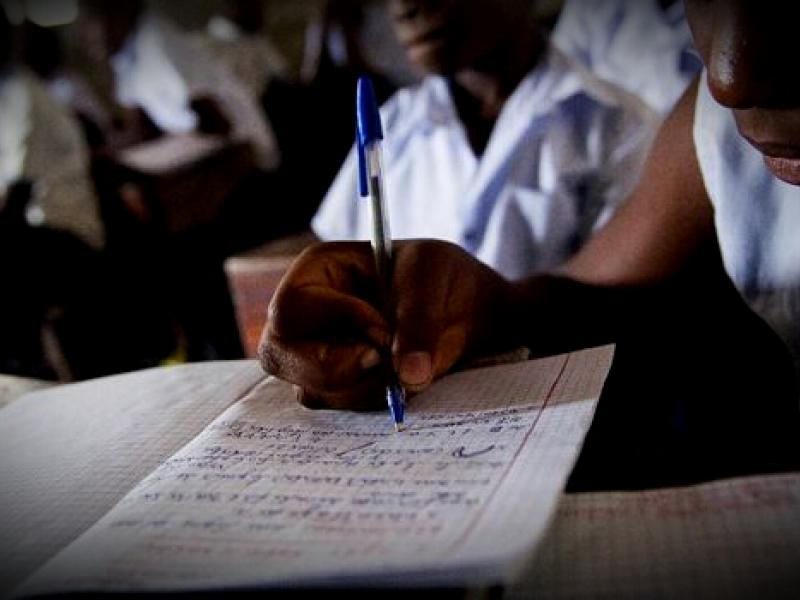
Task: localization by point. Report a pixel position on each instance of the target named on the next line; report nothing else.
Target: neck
(480, 90)
(491, 80)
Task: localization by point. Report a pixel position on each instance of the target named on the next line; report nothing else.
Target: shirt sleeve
(343, 214)
(337, 216)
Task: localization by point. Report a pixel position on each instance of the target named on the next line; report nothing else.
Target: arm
(666, 220)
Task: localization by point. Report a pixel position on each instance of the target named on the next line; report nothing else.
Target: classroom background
(161, 162)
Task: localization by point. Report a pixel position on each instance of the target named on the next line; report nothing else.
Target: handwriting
(291, 484)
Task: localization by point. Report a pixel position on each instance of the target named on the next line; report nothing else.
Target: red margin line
(468, 531)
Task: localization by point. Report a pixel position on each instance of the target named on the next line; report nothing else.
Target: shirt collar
(544, 86)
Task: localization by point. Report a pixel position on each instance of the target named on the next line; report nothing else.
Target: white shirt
(161, 70)
(757, 218)
(16, 126)
(634, 44)
(251, 57)
(41, 141)
(564, 151)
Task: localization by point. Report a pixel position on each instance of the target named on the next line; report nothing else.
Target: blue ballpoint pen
(369, 134)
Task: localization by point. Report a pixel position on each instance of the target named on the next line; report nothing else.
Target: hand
(326, 332)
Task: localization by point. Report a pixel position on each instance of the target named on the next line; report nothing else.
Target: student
(54, 309)
(716, 208)
(505, 148)
(236, 36)
(42, 143)
(155, 67)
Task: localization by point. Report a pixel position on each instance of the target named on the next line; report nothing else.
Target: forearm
(557, 313)
(551, 313)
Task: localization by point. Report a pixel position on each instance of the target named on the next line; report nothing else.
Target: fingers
(318, 312)
(330, 291)
(325, 334)
(318, 365)
(432, 320)
(322, 332)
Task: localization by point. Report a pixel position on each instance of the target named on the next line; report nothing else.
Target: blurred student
(180, 88)
(709, 390)
(642, 46)
(504, 148)
(153, 82)
(52, 316)
(41, 142)
(236, 37)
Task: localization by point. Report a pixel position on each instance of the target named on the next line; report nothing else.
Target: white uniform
(251, 57)
(40, 141)
(757, 218)
(634, 44)
(565, 150)
(160, 70)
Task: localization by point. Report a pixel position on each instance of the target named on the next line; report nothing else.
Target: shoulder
(416, 107)
(590, 107)
(578, 80)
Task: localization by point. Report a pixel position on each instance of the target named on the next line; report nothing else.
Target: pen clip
(368, 128)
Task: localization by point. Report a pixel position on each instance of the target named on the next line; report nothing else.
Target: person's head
(444, 36)
(750, 50)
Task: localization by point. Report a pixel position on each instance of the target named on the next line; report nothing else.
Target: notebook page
(68, 454)
(735, 538)
(276, 494)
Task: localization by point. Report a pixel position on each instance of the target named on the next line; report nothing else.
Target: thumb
(429, 336)
(424, 351)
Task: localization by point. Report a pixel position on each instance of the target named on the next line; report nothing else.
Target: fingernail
(415, 368)
(370, 359)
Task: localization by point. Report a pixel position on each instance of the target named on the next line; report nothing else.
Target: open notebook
(211, 476)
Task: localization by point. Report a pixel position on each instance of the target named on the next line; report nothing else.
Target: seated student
(54, 307)
(42, 143)
(710, 388)
(235, 36)
(643, 46)
(179, 87)
(505, 147)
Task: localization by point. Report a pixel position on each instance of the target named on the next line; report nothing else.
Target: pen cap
(368, 127)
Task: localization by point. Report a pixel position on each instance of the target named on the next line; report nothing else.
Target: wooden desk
(180, 177)
(253, 278)
(252, 282)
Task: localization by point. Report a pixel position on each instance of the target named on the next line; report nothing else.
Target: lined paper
(735, 538)
(68, 454)
(272, 493)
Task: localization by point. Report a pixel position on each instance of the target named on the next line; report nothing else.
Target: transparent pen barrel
(381, 236)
